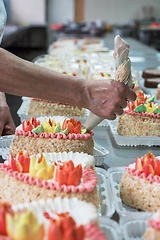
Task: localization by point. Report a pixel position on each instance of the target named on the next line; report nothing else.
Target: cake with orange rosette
(153, 230)
(56, 134)
(26, 178)
(140, 185)
(59, 219)
(140, 118)
(47, 108)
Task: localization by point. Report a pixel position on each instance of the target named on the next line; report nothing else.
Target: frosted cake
(27, 178)
(59, 219)
(153, 230)
(57, 134)
(140, 185)
(48, 108)
(140, 118)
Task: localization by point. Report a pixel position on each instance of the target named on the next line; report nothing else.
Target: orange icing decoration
(67, 174)
(30, 124)
(21, 162)
(148, 164)
(73, 126)
(65, 228)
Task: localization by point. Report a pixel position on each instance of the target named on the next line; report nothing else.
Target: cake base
(151, 234)
(139, 193)
(39, 145)
(45, 108)
(137, 125)
(15, 191)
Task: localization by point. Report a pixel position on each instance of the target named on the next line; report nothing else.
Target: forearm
(3, 101)
(23, 78)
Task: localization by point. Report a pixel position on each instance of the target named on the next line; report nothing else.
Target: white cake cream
(59, 219)
(140, 185)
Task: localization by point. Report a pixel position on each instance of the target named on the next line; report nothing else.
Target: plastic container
(115, 176)
(106, 207)
(111, 228)
(132, 140)
(134, 226)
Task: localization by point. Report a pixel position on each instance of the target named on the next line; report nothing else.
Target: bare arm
(23, 78)
(7, 126)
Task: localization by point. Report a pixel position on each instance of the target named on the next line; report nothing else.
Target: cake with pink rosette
(140, 185)
(52, 134)
(26, 178)
(153, 230)
(140, 118)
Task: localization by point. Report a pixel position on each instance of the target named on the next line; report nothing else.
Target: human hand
(107, 98)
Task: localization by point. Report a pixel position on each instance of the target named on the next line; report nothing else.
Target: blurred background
(33, 25)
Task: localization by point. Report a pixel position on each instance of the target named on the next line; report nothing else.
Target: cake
(56, 134)
(140, 118)
(151, 82)
(151, 73)
(140, 185)
(158, 92)
(26, 178)
(153, 230)
(48, 108)
(59, 219)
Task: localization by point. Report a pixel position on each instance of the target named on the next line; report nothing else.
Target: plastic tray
(106, 207)
(132, 140)
(134, 226)
(23, 113)
(115, 176)
(111, 228)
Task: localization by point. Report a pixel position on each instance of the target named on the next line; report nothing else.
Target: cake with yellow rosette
(140, 118)
(59, 219)
(56, 134)
(153, 230)
(26, 178)
(140, 185)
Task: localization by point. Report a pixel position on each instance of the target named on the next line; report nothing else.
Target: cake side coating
(151, 234)
(140, 193)
(15, 191)
(138, 125)
(39, 145)
(47, 108)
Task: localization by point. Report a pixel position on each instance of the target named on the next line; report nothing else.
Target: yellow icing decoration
(40, 169)
(24, 226)
(47, 127)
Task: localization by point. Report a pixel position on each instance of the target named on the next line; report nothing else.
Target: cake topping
(24, 226)
(67, 174)
(21, 162)
(155, 221)
(143, 104)
(5, 208)
(40, 169)
(49, 126)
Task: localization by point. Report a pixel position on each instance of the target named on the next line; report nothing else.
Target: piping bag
(123, 74)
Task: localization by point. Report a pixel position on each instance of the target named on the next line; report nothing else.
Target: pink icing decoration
(92, 232)
(151, 178)
(153, 223)
(89, 180)
(57, 135)
(131, 112)
(136, 87)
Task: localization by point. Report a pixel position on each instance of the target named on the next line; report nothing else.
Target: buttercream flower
(72, 125)
(21, 162)
(28, 125)
(40, 169)
(24, 226)
(150, 107)
(67, 174)
(5, 208)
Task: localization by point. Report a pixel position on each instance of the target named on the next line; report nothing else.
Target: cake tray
(111, 228)
(23, 114)
(134, 226)
(132, 140)
(115, 176)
